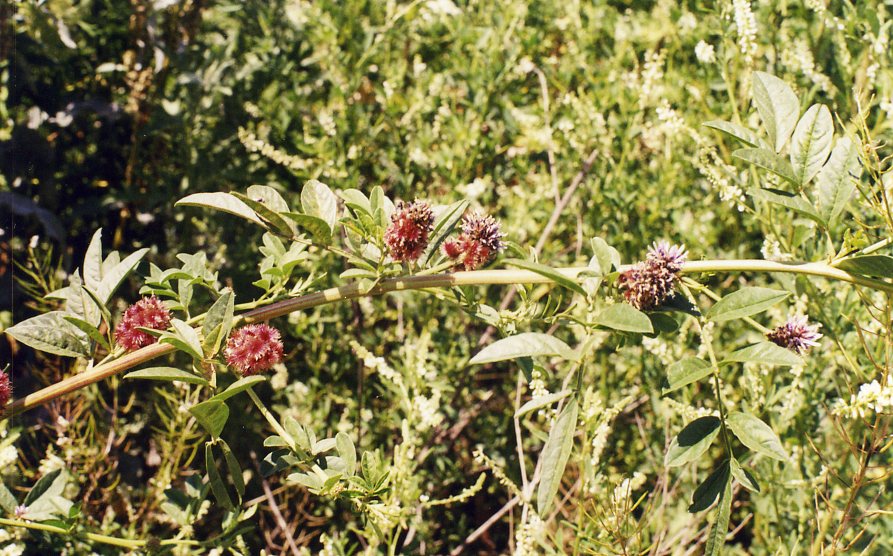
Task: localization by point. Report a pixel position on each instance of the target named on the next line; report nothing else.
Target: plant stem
(466, 278)
(105, 539)
(280, 430)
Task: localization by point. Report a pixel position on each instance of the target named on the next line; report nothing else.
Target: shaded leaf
(744, 477)
(770, 161)
(318, 229)
(716, 538)
(835, 182)
(868, 265)
(211, 415)
(216, 481)
(112, 278)
(693, 440)
(712, 487)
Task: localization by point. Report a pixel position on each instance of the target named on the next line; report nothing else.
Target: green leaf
(605, 258)
(211, 415)
(88, 329)
(233, 468)
(738, 132)
(347, 451)
(355, 199)
(778, 107)
(184, 338)
(8, 500)
(716, 538)
(811, 142)
(46, 499)
(50, 332)
(766, 353)
(262, 205)
(692, 441)
(239, 386)
(218, 321)
(51, 483)
(315, 226)
(549, 273)
(555, 455)
(318, 200)
(768, 160)
(216, 481)
(168, 374)
(541, 402)
(744, 302)
(868, 265)
(625, 317)
(712, 487)
(756, 435)
(685, 372)
(443, 227)
(223, 202)
(92, 269)
(744, 477)
(527, 344)
(791, 201)
(112, 278)
(836, 180)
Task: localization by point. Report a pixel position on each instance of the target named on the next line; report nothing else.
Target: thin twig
(274, 507)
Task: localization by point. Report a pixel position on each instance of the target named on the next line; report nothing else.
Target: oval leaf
(777, 105)
(239, 386)
(738, 132)
(744, 302)
(528, 344)
(693, 441)
(624, 317)
(712, 488)
(685, 372)
(756, 435)
(811, 142)
(50, 332)
(766, 353)
(836, 180)
(319, 201)
(211, 415)
(770, 161)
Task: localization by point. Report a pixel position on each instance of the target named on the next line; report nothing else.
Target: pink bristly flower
(5, 389)
(478, 244)
(253, 349)
(407, 234)
(650, 283)
(796, 335)
(148, 312)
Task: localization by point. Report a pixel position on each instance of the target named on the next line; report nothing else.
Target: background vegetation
(114, 110)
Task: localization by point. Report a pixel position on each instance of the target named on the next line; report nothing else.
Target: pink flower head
(148, 312)
(5, 389)
(478, 243)
(796, 335)
(407, 234)
(649, 283)
(253, 349)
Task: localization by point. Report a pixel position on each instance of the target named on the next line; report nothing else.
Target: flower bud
(407, 234)
(253, 349)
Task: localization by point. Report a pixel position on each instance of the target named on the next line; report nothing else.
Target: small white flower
(705, 53)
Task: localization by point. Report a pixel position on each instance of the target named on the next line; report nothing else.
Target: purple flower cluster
(5, 389)
(478, 244)
(148, 312)
(407, 234)
(649, 283)
(253, 349)
(796, 335)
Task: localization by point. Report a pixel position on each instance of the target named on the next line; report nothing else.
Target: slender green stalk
(280, 430)
(419, 282)
(95, 537)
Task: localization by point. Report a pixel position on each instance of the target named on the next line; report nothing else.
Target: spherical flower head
(407, 234)
(478, 243)
(148, 312)
(253, 349)
(796, 335)
(650, 283)
(5, 389)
